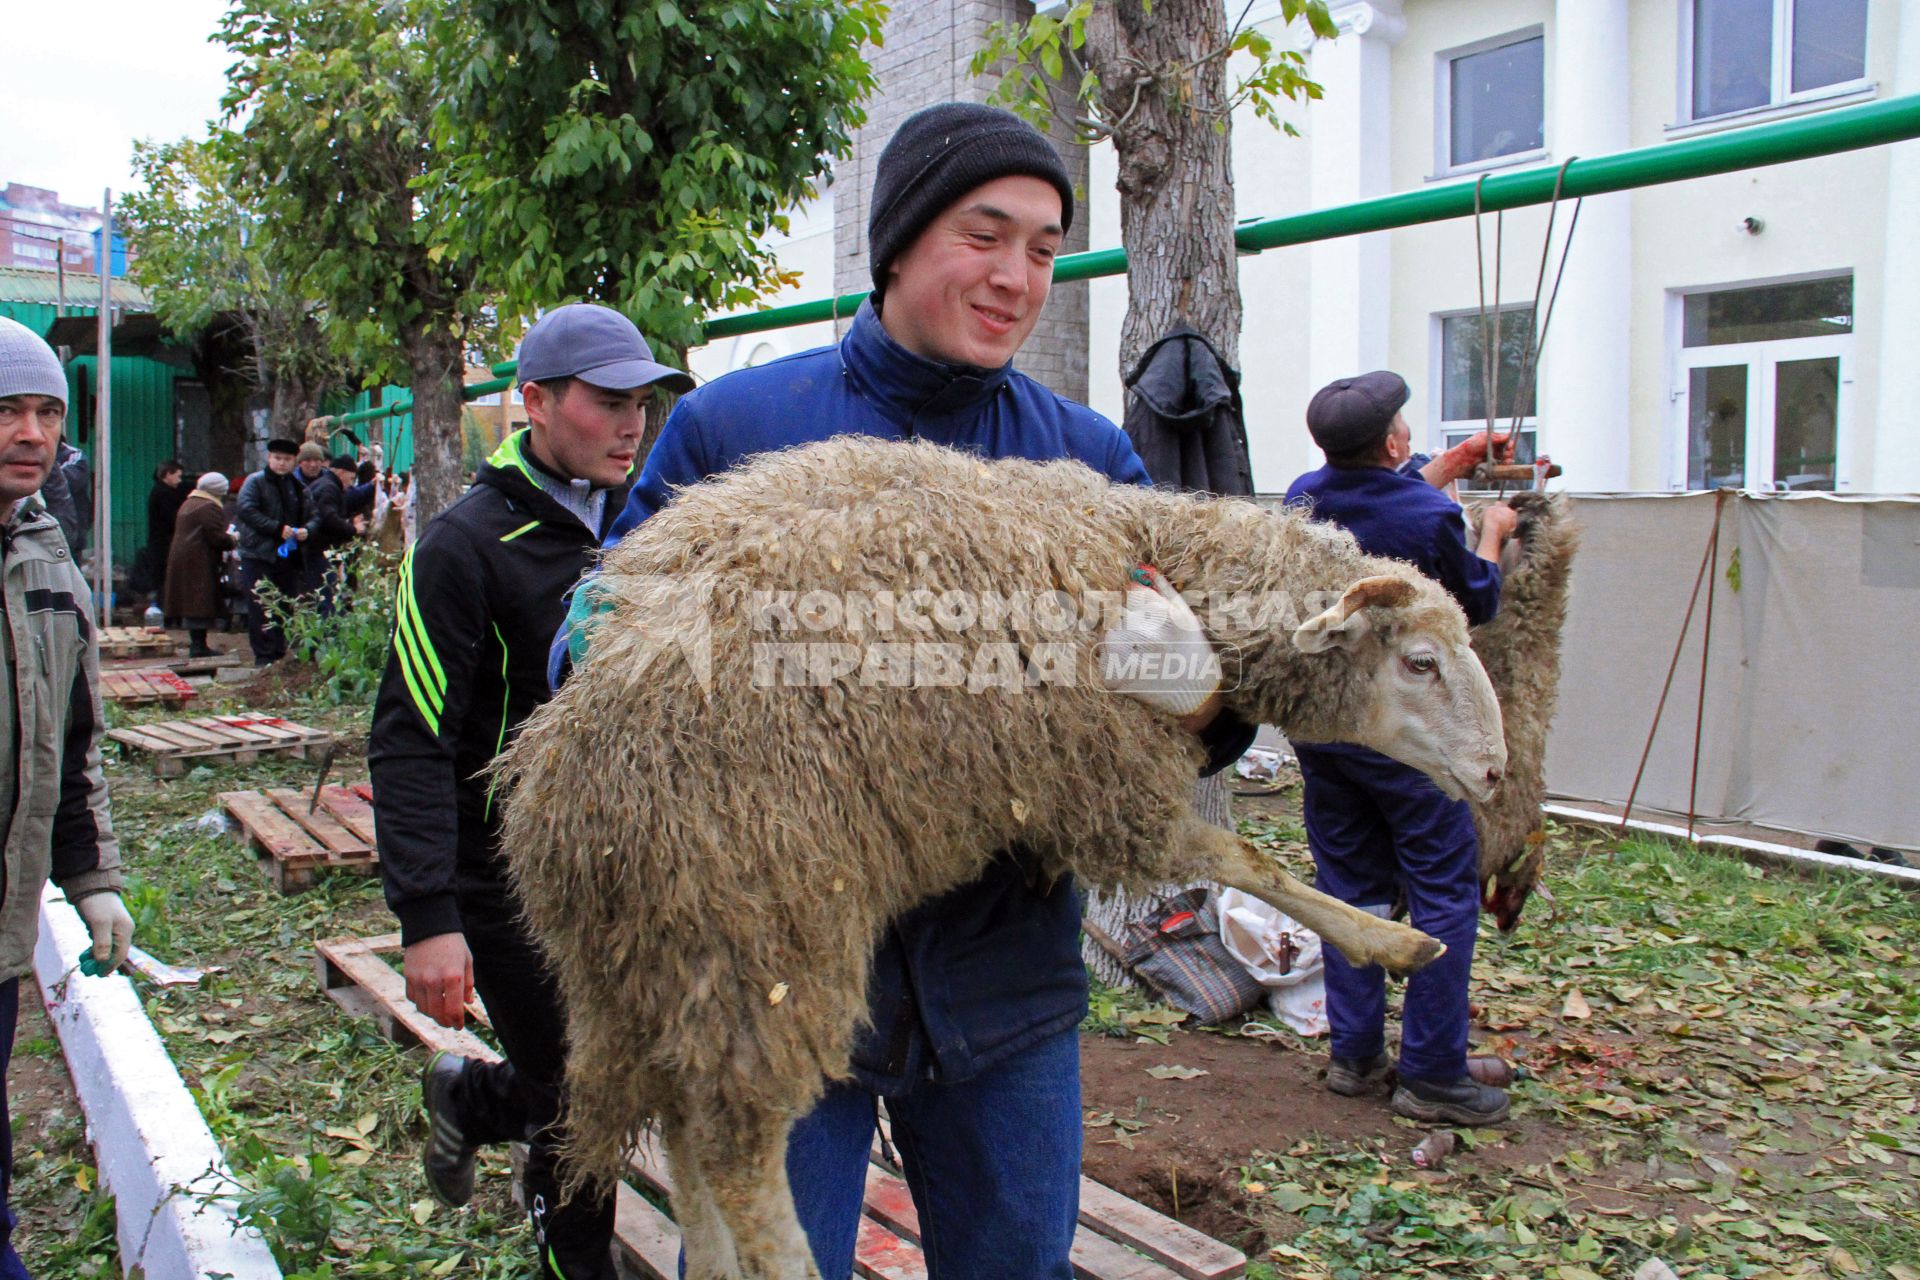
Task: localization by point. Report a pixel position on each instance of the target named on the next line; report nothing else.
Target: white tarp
(1812, 712)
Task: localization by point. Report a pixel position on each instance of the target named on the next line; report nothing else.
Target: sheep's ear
(1345, 624)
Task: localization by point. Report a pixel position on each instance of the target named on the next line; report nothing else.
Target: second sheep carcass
(1520, 649)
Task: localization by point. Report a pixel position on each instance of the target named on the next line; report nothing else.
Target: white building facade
(1747, 330)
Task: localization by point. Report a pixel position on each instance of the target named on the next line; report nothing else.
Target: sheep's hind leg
(1362, 938)
(703, 1234)
(741, 1156)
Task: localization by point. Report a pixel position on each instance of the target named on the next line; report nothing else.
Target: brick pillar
(928, 46)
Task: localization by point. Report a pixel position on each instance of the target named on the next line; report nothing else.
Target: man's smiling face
(970, 288)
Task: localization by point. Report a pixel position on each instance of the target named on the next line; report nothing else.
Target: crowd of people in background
(290, 524)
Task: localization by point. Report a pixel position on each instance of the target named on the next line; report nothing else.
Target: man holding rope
(1378, 828)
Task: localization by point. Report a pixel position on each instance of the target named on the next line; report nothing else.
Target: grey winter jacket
(60, 824)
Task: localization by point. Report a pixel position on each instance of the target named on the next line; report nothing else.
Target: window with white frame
(1492, 102)
(1764, 386)
(1747, 55)
(1463, 343)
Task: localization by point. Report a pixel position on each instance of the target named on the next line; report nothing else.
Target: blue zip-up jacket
(1392, 513)
(971, 978)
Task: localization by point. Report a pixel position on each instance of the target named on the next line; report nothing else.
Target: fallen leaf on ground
(1175, 1073)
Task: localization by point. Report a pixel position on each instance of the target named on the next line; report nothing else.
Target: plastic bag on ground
(1282, 954)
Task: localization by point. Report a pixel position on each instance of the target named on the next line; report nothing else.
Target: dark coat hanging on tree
(1185, 417)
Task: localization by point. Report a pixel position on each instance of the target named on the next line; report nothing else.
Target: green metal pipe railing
(1826, 133)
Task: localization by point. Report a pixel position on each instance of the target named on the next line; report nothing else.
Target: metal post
(103, 424)
(60, 274)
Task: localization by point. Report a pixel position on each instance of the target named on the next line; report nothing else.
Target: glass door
(1764, 415)
(1717, 421)
(1806, 423)
(1763, 385)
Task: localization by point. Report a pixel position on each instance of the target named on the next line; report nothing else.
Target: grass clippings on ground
(1739, 1050)
(1734, 1050)
(318, 1114)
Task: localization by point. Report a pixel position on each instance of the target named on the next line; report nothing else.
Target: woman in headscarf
(200, 540)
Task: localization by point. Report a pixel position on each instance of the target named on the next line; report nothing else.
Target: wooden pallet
(177, 745)
(136, 642)
(181, 664)
(1119, 1239)
(133, 688)
(295, 846)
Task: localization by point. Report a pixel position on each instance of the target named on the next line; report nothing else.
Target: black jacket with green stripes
(481, 595)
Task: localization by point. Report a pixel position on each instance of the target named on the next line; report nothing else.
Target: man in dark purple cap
(1379, 828)
(480, 596)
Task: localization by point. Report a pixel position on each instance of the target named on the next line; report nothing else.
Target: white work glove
(1158, 653)
(112, 928)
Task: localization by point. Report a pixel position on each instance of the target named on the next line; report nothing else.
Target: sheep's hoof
(1413, 953)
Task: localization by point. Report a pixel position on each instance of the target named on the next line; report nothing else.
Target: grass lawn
(1738, 1052)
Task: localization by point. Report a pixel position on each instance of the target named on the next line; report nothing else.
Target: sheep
(1520, 649)
(708, 855)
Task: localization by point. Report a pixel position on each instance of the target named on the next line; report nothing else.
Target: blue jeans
(993, 1164)
(1377, 827)
(11, 1268)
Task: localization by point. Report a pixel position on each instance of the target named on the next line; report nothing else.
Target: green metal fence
(143, 423)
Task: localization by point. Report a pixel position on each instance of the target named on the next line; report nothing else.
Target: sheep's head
(1427, 701)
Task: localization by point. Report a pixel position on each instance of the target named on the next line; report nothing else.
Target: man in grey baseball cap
(50, 722)
(484, 591)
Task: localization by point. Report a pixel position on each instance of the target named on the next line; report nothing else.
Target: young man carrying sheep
(976, 996)
(1378, 828)
(481, 594)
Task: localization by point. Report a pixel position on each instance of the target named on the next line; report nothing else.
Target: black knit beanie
(938, 155)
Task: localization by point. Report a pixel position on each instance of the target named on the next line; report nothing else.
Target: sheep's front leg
(1362, 938)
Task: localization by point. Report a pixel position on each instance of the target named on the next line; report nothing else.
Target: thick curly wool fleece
(709, 866)
(1520, 649)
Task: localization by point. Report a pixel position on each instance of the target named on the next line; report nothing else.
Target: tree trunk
(294, 405)
(1174, 148)
(435, 359)
(1173, 139)
(659, 405)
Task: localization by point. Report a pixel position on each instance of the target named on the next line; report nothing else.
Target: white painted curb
(1759, 850)
(155, 1152)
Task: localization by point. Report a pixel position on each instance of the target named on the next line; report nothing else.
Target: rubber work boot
(1464, 1101)
(448, 1158)
(1353, 1077)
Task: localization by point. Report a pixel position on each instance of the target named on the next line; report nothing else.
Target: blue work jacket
(1391, 513)
(975, 976)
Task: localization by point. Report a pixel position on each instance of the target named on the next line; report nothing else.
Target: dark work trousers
(11, 1268)
(519, 1100)
(262, 636)
(1378, 827)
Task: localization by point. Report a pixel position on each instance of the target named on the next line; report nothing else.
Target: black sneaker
(1352, 1077)
(448, 1158)
(1464, 1101)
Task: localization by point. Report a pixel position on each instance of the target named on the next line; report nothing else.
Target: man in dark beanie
(974, 997)
(1378, 828)
(333, 529)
